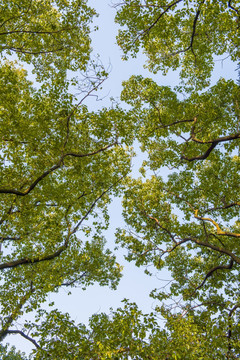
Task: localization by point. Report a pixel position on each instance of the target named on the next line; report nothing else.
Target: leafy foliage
(52, 36)
(186, 33)
(11, 354)
(61, 164)
(123, 335)
(188, 221)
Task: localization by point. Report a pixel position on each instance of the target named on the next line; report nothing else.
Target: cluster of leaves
(52, 36)
(125, 333)
(11, 353)
(181, 33)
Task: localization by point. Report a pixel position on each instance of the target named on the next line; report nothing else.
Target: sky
(135, 285)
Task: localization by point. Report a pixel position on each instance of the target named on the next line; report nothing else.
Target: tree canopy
(61, 164)
(184, 34)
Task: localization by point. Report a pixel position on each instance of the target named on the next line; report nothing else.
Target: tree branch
(27, 261)
(15, 314)
(216, 248)
(32, 186)
(232, 7)
(210, 273)
(213, 143)
(219, 230)
(19, 16)
(223, 207)
(194, 29)
(53, 168)
(160, 226)
(69, 283)
(75, 108)
(21, 50)
(94, 203)
(201, 157)
(35, 32)
(89, 154)
(176, 123)
(9, 332)
(158, 18)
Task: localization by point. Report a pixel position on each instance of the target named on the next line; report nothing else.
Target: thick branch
(219, 230)
(203, 156)
(194, 29)
(232, 7)
(216, 248)
(27, 261)
(32, 186)
(53, 168)
(9, 332)
(213, 143)
(219, 140)
(210, 273)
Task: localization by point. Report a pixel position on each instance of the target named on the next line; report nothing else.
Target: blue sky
(135, 285)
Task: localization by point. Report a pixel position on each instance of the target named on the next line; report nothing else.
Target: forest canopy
(61, 164)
